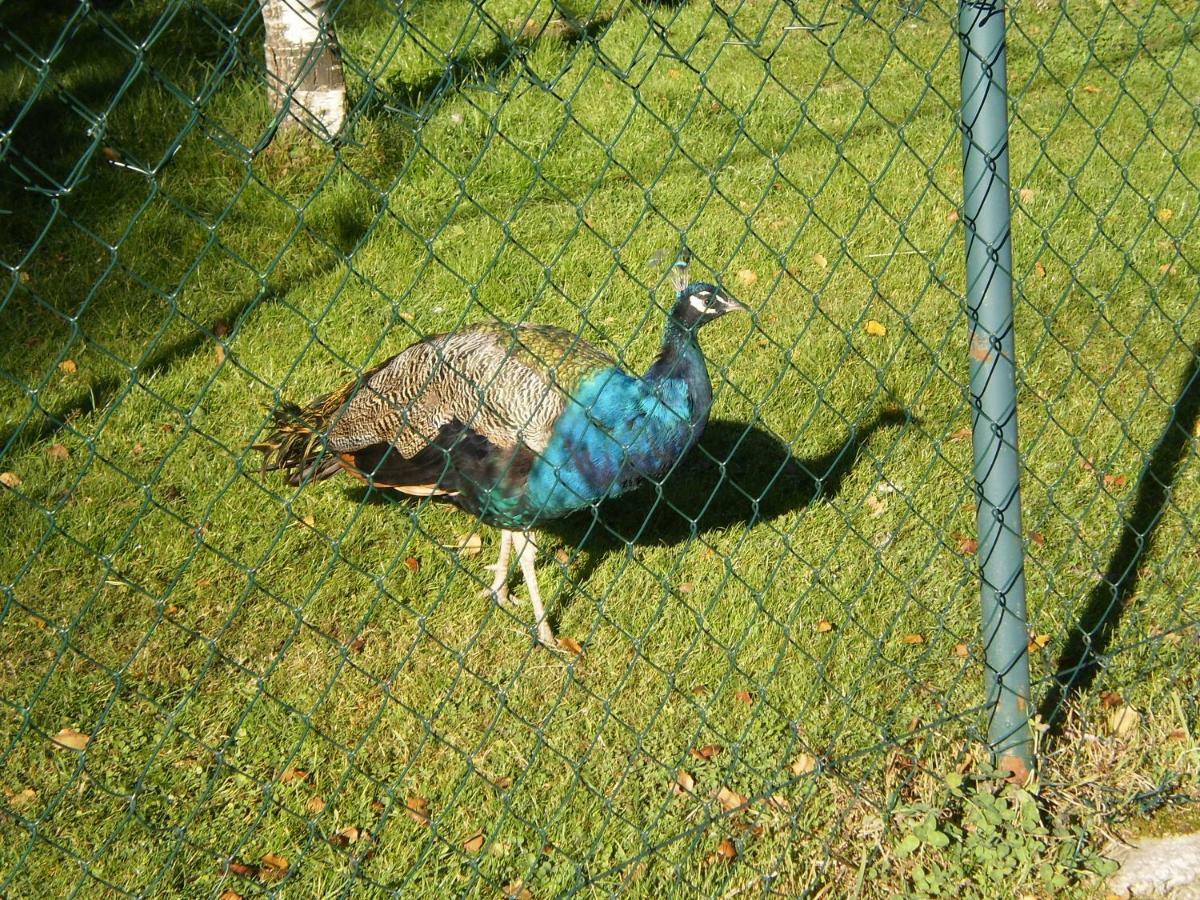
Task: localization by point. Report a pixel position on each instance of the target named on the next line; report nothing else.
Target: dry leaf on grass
(913, 638)
(469, 544)
(358, 643)
(1111, 699)
(686, 587)
(962, 434)
(474, 843)
(744, 696)
(293, 774)
(699, 690)
(966, 545)
(243, 870)
(1114, 481)
(961, 651)
(1037, 538)
(1040, 269)
(228, 894)
(315, 805)
(1123, 721)
(824, 626)
(417, 809)
(726, 850)
(1038, 641)
(58, 452)
(21, 798)
(729, 800)
(874, 328)
(952, 216)
(1091, 89)
(684, 783)
(1025, 194)
(1165, 215)
(71, 739)
(820, 261)
(68, 367)
(412, 564)
(747, 277)
(346, 837)
(10, 480)
(570, 645)
(273, 868)
(876, 506)
(516, 890)
(219, 353)
(803, 764)
(706, 752)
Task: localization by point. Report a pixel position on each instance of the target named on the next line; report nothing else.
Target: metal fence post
(987, 217)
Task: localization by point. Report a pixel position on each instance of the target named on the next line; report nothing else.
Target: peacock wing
(507, 385)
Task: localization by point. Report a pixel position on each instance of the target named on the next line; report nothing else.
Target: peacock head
(697, 302)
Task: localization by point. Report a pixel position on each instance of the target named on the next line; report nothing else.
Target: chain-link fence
(770, 675)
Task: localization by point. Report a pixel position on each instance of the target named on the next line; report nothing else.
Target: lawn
(301, 691)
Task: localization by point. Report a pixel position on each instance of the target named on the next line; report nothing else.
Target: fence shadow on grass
(1082, 658)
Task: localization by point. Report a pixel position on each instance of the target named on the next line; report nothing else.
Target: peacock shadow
(738, 474)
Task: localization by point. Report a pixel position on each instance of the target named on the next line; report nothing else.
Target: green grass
(212, 629)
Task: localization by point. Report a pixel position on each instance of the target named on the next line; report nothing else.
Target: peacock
(516, 425)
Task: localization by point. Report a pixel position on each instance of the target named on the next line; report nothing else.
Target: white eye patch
(699, 303)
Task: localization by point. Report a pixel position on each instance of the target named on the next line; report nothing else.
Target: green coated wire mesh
(213, 683)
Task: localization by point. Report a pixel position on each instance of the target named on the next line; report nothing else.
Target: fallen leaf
(729, 800)
(1111, 699)
(308, 520)
(228, 894)
(962, 434)
(563, 557)
(243, 870)
(699, 690)
(293, 774)
(570, 645)
(952, 216)
(220, 329)
(1165, 215)
(673, 73)
(746, 277)
(345, 837)
(1091, 89)
(875, 329)
(726, 850)
(744, 696)
(469, 544)
(412, 564)
(23, 798)
(1123, 721)
(684, 783)
(1025, 194)
(779, 802)
(1040, 269)
(219, 353)
(961, 651)
(1177, 734)
(1114, 481)
(707, 752)
(876, 506)
(503, 783)
(315, 805)
(966, 545)
(1087, 465)
(274, 867)
(824, 626)
(377, 806)
(474, 843)
(1038, 642)
(71, 739)
(821, 262)
(68, 366)
(913, 638)
(10, 480)
(138, 449)
(686, 587)
(417, 809)
(516, 890)
(803, 764)
(58, 452)
(1037, 538)
(358, 643)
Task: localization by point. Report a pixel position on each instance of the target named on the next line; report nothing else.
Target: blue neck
(682, 360)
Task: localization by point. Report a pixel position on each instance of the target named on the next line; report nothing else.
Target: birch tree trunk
(304, 70)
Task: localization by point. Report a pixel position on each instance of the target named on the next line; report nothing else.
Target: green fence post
(986, 215)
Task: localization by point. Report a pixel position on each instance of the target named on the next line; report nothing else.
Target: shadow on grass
(1084, 654)
(738, 475)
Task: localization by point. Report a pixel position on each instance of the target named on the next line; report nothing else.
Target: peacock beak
(732, 305)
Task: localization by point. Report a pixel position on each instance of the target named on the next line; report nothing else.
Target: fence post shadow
(1083, 656)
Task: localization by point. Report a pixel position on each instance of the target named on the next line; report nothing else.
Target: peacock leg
(499, 589)
(526, 556)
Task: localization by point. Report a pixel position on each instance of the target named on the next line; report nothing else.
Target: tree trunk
(304, 70)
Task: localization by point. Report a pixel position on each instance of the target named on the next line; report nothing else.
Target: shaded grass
(212, 629)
